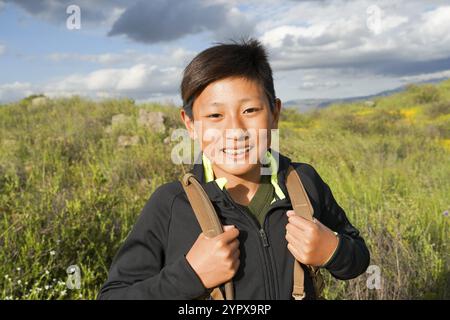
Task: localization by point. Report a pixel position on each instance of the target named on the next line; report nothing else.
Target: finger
(225, 228)
(230, 233)
(236, 263)
(292, 240)
(290, 213)
(235, 255)
(228, 227)
(301, 222)
(300, 239)
(295, 231)
(234, 245)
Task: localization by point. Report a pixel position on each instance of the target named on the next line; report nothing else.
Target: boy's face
(232, 120)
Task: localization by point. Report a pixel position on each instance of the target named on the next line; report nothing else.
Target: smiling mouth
(235, 152)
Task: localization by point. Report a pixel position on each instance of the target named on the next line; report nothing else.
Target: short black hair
(247, 58)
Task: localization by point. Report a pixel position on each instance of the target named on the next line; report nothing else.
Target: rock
(127, 141)
(151, 119)
(39, 101)
(369, 103)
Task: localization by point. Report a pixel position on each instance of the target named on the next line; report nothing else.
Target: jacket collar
(214, 190)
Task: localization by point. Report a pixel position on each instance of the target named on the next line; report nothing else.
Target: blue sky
(318, 49)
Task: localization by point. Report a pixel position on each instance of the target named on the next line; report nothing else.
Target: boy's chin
(238, 169)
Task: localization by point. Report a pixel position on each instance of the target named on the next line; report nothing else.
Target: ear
(188, 123)
(276, 113)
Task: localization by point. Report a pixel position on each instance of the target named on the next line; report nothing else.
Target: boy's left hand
(310, 242)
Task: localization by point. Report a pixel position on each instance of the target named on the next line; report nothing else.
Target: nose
(237, 134)
(236, 127)
(236, 130)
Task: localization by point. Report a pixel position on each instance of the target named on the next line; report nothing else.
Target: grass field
(69, 193)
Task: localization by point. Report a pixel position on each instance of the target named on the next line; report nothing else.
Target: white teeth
(236, 151)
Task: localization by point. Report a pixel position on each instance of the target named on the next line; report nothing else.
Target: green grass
(69, 195)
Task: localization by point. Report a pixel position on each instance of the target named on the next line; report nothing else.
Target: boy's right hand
(215, 260)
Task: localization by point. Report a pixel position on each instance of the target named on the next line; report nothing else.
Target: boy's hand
(215, 260)
(310, 242)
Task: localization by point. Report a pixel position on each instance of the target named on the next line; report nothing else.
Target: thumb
(290, 213)
(228, 227)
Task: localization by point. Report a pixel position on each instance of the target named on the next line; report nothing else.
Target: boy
(229, 99)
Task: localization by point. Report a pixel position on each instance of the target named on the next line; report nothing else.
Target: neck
(243, 187)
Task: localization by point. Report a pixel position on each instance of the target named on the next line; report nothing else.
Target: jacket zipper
(265, 243)
(264, 237)
(279, 204)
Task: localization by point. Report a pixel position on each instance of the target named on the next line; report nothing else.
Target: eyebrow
(216, 104)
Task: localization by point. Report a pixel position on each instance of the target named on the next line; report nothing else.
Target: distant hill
(304, 105)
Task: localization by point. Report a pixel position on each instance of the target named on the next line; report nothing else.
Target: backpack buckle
(297, 296)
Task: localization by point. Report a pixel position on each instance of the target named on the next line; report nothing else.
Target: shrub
(438, 108)
(424, 93)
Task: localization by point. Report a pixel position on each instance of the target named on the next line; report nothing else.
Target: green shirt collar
(221, 182)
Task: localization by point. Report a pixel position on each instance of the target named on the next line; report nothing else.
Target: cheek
(210, 141)
(263, 136)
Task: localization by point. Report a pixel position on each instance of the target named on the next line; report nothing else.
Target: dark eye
(251, 110)
(214, 115)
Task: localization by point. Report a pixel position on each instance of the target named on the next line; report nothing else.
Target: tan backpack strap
(297, 194)
(303, 208)
(298, 290)
(208, 220)
(216, 294)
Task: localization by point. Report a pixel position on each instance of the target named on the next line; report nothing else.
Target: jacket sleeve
(138, 270)
(351, 257)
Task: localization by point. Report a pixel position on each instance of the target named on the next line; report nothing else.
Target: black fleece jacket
(151, 263)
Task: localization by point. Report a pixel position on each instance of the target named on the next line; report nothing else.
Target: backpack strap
(208, 219)
(303, 208)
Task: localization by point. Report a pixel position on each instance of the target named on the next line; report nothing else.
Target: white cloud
(106, 58)
(426, 77)
(330, 83)
(337, 34)
(436, 23)
(2, 49)
(327, 84)
(171, 56)
(15, 90)
(433, 34)
(139, 81)
(141, 76)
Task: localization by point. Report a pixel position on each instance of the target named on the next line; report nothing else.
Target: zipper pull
(264, 237)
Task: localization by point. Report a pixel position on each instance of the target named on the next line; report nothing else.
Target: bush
(438, 108)
(424, 93)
